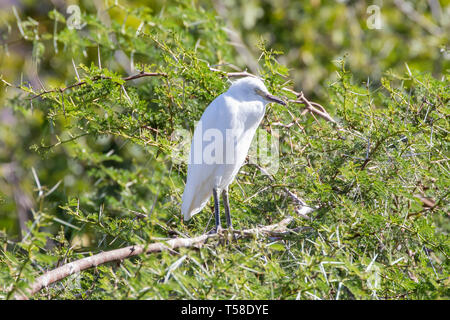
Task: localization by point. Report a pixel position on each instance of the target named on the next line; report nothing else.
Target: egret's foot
(230, 234)
(233, 235)
(215, 230)
(227, 235)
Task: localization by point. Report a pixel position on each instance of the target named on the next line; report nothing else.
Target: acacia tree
(375, 172)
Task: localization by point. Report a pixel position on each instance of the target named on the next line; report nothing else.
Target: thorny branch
(80, 83)
(55, 275)
(312, 107)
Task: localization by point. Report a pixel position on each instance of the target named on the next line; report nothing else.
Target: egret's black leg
(216, 208)
(226, 205)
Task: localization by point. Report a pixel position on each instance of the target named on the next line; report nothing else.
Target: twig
(234, 74)
(66, 270)
(428, 205)
(80, 83)
(311, 106)
(64, 141)
(145, 74)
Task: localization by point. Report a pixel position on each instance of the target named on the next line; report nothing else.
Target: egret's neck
(251, 113)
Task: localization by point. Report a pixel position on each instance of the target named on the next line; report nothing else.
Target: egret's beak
(272, 98)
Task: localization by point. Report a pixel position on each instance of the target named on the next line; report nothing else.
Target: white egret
(220, 145)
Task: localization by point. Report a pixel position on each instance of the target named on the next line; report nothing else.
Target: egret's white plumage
(234, 116)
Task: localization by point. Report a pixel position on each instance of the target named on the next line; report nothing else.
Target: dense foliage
(99, 153)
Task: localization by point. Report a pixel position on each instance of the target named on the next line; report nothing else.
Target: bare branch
(66, 270)
(311, 106)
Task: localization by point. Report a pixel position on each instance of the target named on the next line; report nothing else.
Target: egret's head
(252, 88)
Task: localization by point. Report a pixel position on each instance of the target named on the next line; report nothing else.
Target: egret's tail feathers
(192, 204)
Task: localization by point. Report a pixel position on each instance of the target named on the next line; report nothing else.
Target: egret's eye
(259, 92)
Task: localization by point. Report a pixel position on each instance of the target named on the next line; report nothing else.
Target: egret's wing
(227, 112)
(201, 176)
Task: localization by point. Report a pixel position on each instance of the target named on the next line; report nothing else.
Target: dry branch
(311, 106)
(66, 270)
